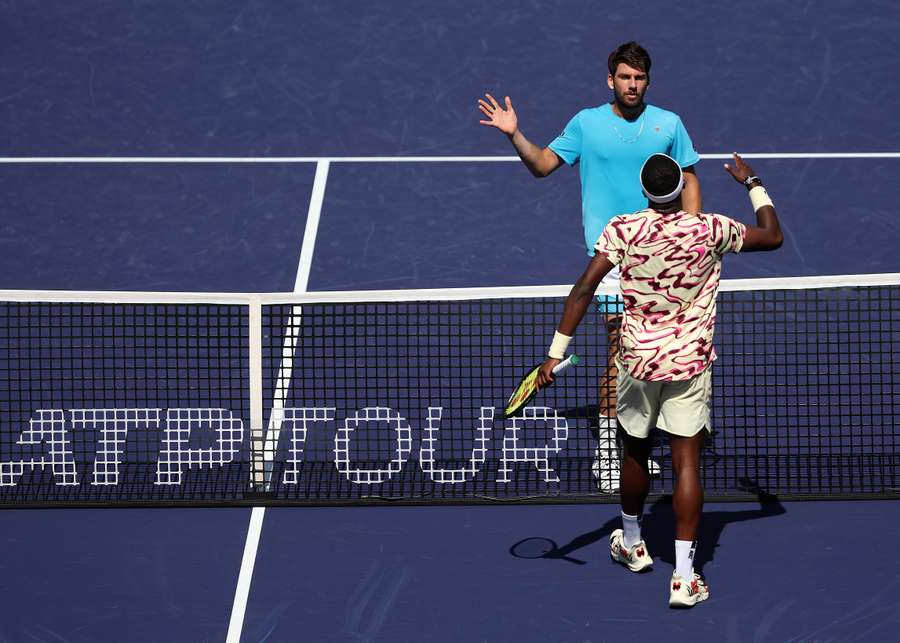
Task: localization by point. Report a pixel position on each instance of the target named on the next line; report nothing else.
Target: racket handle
(571, 360)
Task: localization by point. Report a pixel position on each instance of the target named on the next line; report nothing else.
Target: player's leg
(607, 406)
(635, 479)
(687, 586)
(684, 414)
(607, 465)
(687, 499)
(638, 404)
(627, 545)
(607, 458)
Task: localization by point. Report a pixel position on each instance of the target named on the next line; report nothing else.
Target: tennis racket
(528, 388)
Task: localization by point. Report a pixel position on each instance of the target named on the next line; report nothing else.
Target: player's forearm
(691, 198)
(767, 220)
(766, 217)
(532, 156)
(582, 293)
(576, 306)
(766, 235)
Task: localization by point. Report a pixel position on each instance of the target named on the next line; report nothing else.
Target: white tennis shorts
(679, 408)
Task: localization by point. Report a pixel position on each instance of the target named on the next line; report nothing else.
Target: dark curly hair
(632, 54)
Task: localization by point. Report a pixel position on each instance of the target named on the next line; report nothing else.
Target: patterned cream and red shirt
(670, 266)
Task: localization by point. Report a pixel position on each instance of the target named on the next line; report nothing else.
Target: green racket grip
(571, 360)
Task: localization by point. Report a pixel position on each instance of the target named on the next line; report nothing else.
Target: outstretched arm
(766, 235)
(540, 162)
(577, 303)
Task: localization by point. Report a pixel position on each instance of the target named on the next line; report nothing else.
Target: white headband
(668, 197)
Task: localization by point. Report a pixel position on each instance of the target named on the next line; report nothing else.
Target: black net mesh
(403, 400)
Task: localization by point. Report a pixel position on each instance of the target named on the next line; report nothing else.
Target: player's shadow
(658, 531)
(659, 527)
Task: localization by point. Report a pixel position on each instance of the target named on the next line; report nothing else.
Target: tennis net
(165, 398)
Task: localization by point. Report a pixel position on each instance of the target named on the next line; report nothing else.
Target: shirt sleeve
(612, 243)
(727, 234)
(682, 148)
(567, 145)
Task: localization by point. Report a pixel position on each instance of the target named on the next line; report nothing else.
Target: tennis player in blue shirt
(609, 143)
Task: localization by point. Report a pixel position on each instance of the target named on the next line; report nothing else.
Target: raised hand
(504, 120)
(741, 170)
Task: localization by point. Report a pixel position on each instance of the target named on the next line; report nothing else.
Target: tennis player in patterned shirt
(670, 262)
(609, 143)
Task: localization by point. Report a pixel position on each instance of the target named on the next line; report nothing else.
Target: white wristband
(759, 197)
(559, 345)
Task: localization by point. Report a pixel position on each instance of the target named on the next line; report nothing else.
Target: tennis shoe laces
(637, 559)
(686, 594)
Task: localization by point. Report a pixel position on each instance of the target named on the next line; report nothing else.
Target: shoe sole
(686, 606)
(640, 570)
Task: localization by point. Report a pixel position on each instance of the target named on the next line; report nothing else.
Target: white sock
(684, 558)
(631, 525)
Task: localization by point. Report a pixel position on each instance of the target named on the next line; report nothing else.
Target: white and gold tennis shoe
(637, 559)
(684, 594)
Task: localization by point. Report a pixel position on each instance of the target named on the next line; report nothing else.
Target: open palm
(504, 120)
(740, 170)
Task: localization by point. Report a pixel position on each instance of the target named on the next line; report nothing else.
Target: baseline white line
(398, 159)
(807, 155)
(282, 385)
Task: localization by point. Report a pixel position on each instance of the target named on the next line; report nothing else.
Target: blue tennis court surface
(240, 82)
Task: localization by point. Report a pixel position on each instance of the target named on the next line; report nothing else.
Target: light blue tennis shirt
(611, 152)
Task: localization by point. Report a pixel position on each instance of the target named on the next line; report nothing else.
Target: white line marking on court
(312, 226)
(282, 385)
(292, 333)
(401, 159)
(243, 586)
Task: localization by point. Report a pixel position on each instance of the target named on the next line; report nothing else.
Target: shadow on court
(658, 530)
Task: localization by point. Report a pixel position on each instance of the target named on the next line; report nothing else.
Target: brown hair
(632, 54)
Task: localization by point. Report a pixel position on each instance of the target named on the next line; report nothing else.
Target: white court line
(292, 332)
(312, 226)
(285, 369)
(400, 159)
(236, 623)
